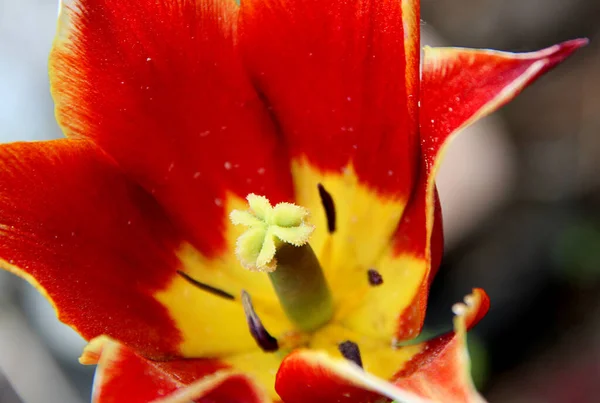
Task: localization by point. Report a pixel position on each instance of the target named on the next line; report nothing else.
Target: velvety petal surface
(159, 86)
(435, 371)
(107, 256)
(442, 372)
(123, 376)
(458, 86)
(342, 81)
(96, 244)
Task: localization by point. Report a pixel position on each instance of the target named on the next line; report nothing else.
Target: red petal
(106, 255)
(88, 238)
(159, 86)
(123, 376)
(342, 78)
(438, 373)
(442, 371)
(390, 311)
(310, 376)
(458, 87)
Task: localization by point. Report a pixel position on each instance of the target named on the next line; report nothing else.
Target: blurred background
(520, 192)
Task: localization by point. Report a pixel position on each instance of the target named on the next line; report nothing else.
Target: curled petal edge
(439, 373)
(203, 386)
(442, 371)
(159, 382)
(458, 87)
(343, 371)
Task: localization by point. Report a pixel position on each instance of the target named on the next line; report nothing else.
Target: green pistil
(276, 242)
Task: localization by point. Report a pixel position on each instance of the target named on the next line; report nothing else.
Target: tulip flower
(243, 208)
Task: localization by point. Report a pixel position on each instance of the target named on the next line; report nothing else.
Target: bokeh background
(520, 192)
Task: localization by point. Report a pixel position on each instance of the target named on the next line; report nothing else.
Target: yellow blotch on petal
(365, 222)
(379, 357)
(375, 310)
(260, 366)
(210, 325)
(268, 226)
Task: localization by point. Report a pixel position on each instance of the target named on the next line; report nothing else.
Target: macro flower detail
(297, 139)
(268, 226)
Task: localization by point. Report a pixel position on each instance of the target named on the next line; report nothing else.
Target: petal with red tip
(123, 376)
(312, 376)
(158, 85)
(342, 79)
(438, 372)
(458, 86)
(107, 256)
(96, 244)
(441, 372)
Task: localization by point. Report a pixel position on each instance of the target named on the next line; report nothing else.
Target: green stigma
(268, 228)
(276, 242)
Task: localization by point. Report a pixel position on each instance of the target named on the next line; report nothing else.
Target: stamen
(351, 352)
(375, 277)
(205, 287)
(329, 207)
(263, 338)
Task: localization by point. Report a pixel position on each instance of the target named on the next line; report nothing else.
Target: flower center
(276, 242)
